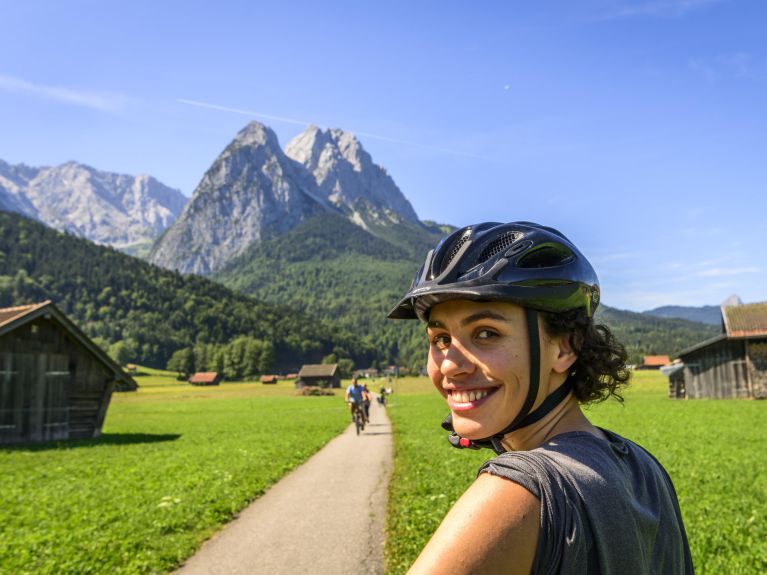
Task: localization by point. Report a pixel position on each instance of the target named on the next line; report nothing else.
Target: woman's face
(479, 361)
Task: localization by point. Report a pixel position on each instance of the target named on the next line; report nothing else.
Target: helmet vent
(498, 245)
(546, 256)
(456, 248)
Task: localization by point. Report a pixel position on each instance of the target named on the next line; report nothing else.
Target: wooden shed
(55, 382)
(730, 365)
(654, 361)
(206, 378)
(321, 375)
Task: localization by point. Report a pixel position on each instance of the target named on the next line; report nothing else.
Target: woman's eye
(440, 341)
(486, 334)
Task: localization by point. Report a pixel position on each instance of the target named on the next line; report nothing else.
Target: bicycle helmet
(525, 263)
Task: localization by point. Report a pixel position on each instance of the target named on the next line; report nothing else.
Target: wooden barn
(320, 375)
(730, 365)
(654, 361)
(55, 383)
(206, 378)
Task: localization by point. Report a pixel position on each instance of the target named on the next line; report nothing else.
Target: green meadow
(174, 463)
(713, 450)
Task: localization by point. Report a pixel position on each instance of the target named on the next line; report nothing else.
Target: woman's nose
(456, 361)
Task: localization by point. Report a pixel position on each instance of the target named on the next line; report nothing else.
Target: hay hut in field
(55, 382)
(730, 365)
(654, 361)
(319, 375)
(206, 378)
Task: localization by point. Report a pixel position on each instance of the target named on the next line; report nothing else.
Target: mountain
(708, 314)
(252, 191)
(123, 211)
(348, 178)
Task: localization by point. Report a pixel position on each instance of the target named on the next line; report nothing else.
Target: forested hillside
(335, 271)
(648, 335)
(320, 291)
(148, 313)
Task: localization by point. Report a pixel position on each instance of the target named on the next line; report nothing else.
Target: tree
(119, 352)
(346, 367)
(182, 361)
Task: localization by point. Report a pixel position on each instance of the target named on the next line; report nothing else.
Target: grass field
(174, 463)
(714, 451)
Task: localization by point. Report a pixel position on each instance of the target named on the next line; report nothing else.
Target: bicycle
(359, 417)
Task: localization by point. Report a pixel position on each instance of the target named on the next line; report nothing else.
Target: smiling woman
(514, 352)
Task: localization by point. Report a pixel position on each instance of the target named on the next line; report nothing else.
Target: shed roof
(204, 377)
(9, 314)
(656, 360)
(12, 318)
(318, 370)
(745, 320)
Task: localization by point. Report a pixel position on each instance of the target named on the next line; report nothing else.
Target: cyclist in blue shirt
(354, 396)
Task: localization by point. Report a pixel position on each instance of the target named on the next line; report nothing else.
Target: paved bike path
(326, 517)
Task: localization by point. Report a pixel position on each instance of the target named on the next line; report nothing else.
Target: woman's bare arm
(492, 529)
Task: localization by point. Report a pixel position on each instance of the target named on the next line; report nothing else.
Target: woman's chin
(469, 428)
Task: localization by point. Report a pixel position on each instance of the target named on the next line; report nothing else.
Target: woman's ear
(566, 356)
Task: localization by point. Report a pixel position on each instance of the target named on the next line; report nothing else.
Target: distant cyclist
(355, 397)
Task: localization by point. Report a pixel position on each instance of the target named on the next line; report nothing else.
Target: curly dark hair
(600, 370)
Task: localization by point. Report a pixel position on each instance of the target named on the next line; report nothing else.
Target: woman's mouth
(463, 399)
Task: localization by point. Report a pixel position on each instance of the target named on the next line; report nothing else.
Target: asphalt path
(326, 517)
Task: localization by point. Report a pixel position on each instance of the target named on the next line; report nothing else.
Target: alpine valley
(317, 237)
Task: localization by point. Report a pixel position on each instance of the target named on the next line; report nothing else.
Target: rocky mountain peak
(256, 134)
(250, 191)
(348, 178)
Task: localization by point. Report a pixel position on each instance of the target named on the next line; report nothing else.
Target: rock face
(104, 207)
(347, 177)
(252, 189)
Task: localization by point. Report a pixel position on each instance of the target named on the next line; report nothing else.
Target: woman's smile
(466, 399)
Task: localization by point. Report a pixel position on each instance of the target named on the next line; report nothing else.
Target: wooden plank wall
(717, 371)
(757, 367)
(51, 387)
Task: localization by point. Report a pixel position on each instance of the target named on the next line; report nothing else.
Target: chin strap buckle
(462, 442)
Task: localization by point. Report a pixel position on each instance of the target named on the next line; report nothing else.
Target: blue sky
(637, 128)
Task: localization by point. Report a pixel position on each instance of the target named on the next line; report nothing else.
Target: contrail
(243, 112)
(306, 123)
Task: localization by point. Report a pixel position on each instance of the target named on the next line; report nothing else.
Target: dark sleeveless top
(606, 506)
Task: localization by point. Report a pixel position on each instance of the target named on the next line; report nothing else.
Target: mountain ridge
(261, 191)
(114, 209)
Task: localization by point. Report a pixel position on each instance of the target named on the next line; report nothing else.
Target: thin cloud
(738, 65)
(307, 123)
(659, 9)
(103, 101)
(722, 272)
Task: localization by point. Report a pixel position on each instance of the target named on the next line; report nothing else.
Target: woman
(514, 352)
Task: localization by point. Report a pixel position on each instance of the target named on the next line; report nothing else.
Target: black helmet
(526, 263)
(534, 266)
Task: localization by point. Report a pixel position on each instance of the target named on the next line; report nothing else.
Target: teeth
(467, 397)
